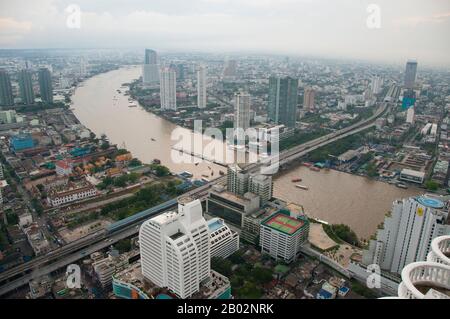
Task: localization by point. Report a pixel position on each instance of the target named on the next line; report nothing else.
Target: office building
(229, 206)
(410, 74)
(282, 106)
(6, 95)
(261, 185)
(150, 69)
(242, 111)
(168, 89)
(237, 179)
(45, 85)
(308, 99)
(175, 249)
(224, 241)
(201, 87)
(26, 87)
(407, 233)
(283, 234)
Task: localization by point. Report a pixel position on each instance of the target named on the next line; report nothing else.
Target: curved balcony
(419, 277)
(440, 250)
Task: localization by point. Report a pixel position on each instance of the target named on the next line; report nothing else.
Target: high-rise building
(26, 87)
(6, 95)
(428, 279)
(150, 70)
(45, 85)
(237, 180)
(261, 185)
(1, 172)
(376, 84)
(410, 74)
(230, 68)
(201, 87)
(410, 115)
(407, 233)
(8, 116)
(175, 249)
(282, 106)
(224, 241)
(242, 111)
(308, 98)
(168, 89)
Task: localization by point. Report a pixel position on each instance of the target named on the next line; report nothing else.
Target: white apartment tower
(242, 111)
(261, 185)
(175, 249)
(201, 87)
(168, 89)
(410, 115)
(237, 180)
(407, 233)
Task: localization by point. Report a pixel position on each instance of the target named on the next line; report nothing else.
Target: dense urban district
(138, 230)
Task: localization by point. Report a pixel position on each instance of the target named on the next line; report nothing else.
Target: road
(77, 250)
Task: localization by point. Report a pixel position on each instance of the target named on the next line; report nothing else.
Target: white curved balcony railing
(440, 250)
(423, 274)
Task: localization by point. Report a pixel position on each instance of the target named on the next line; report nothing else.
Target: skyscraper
(410, 74)
(308, 98)
(242, 111)
(150, 71)
(407, 233)
(26, 87)
(282, 107)
(168, 89)
(376, 84)
(201, 87)
(6, 96)
(45, 85)
(175, 249)
(230, 68)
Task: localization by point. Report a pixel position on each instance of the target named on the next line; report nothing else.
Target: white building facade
(242, 111)
(201, 87)
(168, 89)
(224, 241)
(175, 249)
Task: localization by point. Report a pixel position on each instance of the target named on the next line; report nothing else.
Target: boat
(401, 185)
(307, 164)
(315, 169)
(221, 173)
(153, 139)
(204, 175)
(295, 180)
(302, 187)
(132, 105)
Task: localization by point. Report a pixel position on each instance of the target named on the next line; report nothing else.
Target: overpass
(20, 275)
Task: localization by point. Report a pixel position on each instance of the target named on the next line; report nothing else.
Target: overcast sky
(329, 28)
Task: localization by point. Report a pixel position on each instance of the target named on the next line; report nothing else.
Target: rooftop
(214, 224)
(284, 223)
(430, 202)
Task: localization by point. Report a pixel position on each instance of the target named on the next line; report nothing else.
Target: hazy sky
(333, 28)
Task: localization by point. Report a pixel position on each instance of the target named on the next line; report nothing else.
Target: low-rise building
(224, 241)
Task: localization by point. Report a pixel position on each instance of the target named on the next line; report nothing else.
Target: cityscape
(155, 171)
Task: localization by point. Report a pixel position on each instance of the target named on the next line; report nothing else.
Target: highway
(58, 258)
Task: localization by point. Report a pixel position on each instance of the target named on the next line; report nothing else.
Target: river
(333, 196)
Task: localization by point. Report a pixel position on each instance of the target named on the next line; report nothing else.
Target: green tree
(431, 185)
(123, 245)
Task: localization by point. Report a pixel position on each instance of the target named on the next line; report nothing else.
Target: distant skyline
(410, 29)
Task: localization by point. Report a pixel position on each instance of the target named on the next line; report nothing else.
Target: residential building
(230, 68)
(6, 95)
(168, 92)
(242, 111)
(175, 249)
(261, 185)
(309, 98)
(8, 117)
(283, 96)
(150, 69)
(26, 87)
(201, 87)
(58, 197)
(45, 85)
(237, 179)
(224, 241)
(407, 233)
